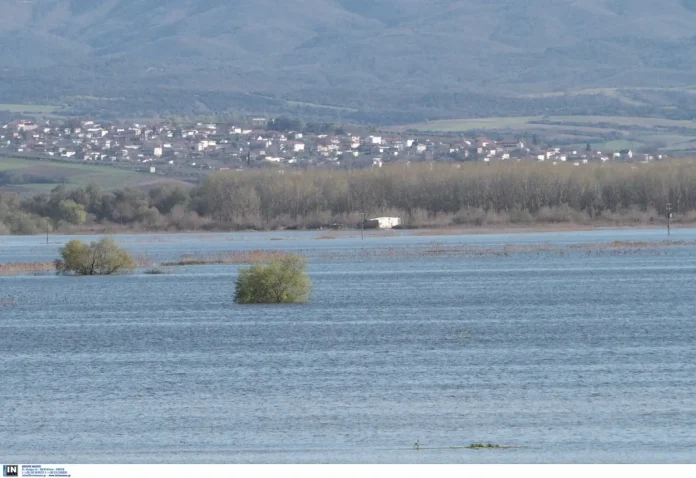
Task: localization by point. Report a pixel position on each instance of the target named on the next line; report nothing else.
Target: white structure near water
(383, 222)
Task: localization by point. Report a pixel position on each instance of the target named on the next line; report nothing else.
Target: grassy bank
(40, 176)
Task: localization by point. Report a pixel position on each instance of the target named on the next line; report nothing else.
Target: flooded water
(573, 357)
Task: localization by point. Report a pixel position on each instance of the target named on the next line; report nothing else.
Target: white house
(383, 222)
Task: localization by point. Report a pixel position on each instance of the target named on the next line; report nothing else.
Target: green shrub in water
(281, 281)
(97, 258)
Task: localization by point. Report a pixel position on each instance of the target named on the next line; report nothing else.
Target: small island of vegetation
(97, 258)
(280, 281)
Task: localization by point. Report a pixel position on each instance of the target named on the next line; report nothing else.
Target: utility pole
(669, 218)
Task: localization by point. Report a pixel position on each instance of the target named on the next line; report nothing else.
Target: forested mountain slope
(366, 55)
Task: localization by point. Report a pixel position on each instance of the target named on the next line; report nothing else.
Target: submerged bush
(156, 272)
(280, 281)
(97, 258)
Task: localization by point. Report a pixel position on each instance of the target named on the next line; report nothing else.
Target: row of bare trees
(421, 194)
(437, 189)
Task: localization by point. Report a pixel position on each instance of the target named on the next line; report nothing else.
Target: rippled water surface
(574, 357)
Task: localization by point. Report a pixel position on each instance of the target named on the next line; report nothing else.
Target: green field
(526, 122)
(605, 132)
(626, 121)
(610, 92)
(470, 124)
(617, 145)
(72, 175)
(316, 105)
(29, 109)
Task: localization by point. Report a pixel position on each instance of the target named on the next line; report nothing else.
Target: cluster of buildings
(170, 148)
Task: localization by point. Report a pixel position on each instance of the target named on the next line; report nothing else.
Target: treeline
(421, 194)
(19, 177)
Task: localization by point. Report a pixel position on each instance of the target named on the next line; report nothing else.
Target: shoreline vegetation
(424, 195)
(432, 250)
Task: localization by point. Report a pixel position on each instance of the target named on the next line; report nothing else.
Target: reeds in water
(233, 257)
(16, 268)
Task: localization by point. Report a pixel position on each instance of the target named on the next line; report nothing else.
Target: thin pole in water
(669, 219)
(362, 227)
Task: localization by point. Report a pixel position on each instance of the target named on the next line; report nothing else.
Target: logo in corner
(10, 470)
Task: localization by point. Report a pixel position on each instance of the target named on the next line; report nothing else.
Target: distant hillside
(30, 176)
(377, 60)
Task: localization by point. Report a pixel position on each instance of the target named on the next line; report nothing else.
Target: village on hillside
(189, 149)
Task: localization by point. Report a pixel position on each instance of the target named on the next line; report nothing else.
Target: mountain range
(382, 60)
